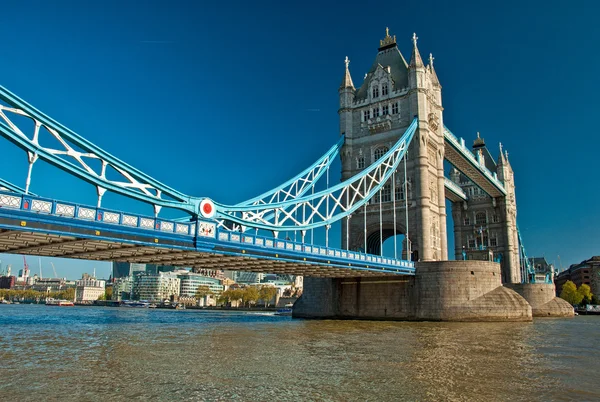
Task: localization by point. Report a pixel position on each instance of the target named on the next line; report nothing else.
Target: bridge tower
(484, 223)
(373, 117)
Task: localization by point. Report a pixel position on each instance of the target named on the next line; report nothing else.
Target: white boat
(59, 302)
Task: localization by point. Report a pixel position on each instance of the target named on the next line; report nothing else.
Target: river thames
(99, 354)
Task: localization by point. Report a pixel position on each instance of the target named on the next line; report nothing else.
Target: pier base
(543, 300)
(440, 291)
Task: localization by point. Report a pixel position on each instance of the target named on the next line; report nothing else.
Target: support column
(442, 209)
(423, 196)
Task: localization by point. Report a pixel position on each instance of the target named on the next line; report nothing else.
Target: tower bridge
(393, 144)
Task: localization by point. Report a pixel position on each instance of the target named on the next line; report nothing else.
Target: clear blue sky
(228, 99)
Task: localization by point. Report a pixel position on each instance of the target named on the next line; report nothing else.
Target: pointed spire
(434, 78)
(501, 160)
(347, 80)
(415, 58)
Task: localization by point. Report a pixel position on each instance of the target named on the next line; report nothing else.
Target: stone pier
(543, 300)
(440, 291)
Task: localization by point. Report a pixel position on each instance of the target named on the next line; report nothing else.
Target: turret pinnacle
(501, 160)
(347, 80)
(415, 58)
(434, 78)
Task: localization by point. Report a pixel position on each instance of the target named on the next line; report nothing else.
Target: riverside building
(157, 287)
(89, 289)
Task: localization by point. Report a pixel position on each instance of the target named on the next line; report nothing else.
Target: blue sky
(227, 99)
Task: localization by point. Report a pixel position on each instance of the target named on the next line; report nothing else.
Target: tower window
(376, 112)
(467, 221)
(495, 219)
(471, 243)
(386, 193)
(379, 152)
(384, 89)
(399, 192)
(360, 162)
(385, 110)
(395, 108)
(480, 218)
(375, 92)
(493, 242)
(366, 115)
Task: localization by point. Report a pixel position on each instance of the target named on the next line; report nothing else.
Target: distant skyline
(227, 100)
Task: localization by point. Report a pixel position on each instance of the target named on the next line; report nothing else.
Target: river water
(112, 354)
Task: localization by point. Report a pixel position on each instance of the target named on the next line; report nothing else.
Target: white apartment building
(89, 289)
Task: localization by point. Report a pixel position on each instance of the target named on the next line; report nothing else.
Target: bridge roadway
(37, 226)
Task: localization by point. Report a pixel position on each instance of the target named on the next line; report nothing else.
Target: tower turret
(347, 93)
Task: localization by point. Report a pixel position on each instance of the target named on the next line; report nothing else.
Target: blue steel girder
(327, 206)
(38, 226)
(463, 159)
(4, 184)
(76, 150)
(302, 183)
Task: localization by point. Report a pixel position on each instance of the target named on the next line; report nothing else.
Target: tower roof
(347, 80)
(479, 142)
(415, 57)
(388, 56)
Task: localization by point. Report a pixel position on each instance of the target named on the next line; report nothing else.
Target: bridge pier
(440, 291)
(543, 300)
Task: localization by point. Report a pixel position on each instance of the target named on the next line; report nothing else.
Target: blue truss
(327, 206)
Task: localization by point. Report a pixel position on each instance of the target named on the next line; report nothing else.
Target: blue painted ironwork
(11, 187)
(315, 210)
(21, 212)
(528, 270)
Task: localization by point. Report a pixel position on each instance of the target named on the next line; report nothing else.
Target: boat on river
(59, 302)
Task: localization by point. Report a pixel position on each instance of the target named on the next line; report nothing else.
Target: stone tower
(484, 223)
(373, 117)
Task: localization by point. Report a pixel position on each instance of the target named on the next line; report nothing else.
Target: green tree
(266, 293)
(230, 295)
(586, 294)
(570, 294)
(202, 292)
(250, 295)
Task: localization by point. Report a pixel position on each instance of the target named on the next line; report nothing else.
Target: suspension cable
(380, 222)
(365, 214)
(408, 245)
(394, 207)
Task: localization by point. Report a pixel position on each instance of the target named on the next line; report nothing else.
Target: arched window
(480, 218)
(360, 162)
(379, 152)
(384, 88)
(375, 92)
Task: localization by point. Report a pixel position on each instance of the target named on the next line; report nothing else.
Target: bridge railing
(459, 144)
(207, 230)
(88, 213)
(293, 246)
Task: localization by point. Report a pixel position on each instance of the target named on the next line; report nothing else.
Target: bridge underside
(81, 247)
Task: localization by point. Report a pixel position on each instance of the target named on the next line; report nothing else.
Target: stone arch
(374, 235)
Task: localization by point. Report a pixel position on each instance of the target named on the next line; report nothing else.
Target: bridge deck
(35, 226)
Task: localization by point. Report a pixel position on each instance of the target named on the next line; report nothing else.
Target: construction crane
(53, 269)
(25, 268)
